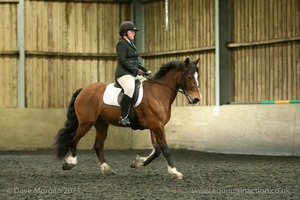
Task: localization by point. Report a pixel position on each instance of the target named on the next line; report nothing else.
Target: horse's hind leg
(101, 128)
(71, 159)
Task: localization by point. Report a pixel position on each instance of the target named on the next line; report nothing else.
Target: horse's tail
(65, 135)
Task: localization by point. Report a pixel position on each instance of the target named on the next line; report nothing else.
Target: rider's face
(130, 34)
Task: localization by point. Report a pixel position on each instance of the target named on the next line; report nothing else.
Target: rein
(180, 89)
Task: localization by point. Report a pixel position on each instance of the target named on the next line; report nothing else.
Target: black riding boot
(125, 107)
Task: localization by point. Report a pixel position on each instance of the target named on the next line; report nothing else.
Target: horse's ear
(187, 61)
(197, 61)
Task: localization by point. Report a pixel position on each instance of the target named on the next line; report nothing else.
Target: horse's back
(93, 89)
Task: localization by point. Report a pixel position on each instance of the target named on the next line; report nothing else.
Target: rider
(128, 67)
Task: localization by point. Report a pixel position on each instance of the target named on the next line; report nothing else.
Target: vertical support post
(223, 57)
(225, 54)
(217, 57)
(167, 15)
(21, 60)
(138, 17)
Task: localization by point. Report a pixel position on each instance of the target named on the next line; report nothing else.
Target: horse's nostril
(196, 100)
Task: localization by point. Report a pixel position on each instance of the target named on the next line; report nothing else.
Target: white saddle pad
(111, 94)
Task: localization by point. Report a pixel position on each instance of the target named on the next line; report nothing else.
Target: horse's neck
(170, 79)
(168, 86)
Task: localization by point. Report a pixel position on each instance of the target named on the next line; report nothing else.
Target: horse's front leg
(171, 168)
(160, 136)
(160, 146)
(144, 161)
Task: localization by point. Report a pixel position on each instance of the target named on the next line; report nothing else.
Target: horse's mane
(175, 64)
(166, 67)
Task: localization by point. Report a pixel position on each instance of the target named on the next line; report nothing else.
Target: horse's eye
(190, 77)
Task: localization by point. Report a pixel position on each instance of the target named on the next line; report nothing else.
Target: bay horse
(87, 109)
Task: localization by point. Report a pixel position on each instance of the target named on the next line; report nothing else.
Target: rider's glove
(148, 73)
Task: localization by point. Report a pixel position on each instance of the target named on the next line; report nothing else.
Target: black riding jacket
(128, 62)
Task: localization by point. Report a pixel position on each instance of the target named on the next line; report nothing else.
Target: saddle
(113, 94)
(135, 96)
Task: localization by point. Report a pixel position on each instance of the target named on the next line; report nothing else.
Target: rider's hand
(148, 73)
(140, 72)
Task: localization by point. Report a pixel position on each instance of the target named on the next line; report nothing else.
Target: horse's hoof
(133, 164)
(109, 173)
(176, 174)
(138, 162)
(106, 169)
(67, 166)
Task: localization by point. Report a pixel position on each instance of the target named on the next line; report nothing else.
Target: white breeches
(127, 82)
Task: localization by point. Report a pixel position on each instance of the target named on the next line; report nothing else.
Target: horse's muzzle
(195, 100)
(192, 100)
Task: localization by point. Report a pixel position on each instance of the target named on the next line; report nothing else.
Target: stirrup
(124, 121)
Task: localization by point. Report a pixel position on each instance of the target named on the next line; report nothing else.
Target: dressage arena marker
(270, 102)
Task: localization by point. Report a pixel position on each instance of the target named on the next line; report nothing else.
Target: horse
(87, 109)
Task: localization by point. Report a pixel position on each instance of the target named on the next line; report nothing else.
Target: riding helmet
(125, 26)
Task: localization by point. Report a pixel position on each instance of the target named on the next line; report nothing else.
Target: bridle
(182, 89)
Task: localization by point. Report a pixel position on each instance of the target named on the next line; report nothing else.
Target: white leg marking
(106, 169)
(139, 161)
(176, 174)
(71, 160)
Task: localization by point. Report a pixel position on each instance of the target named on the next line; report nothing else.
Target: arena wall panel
(238, 129)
